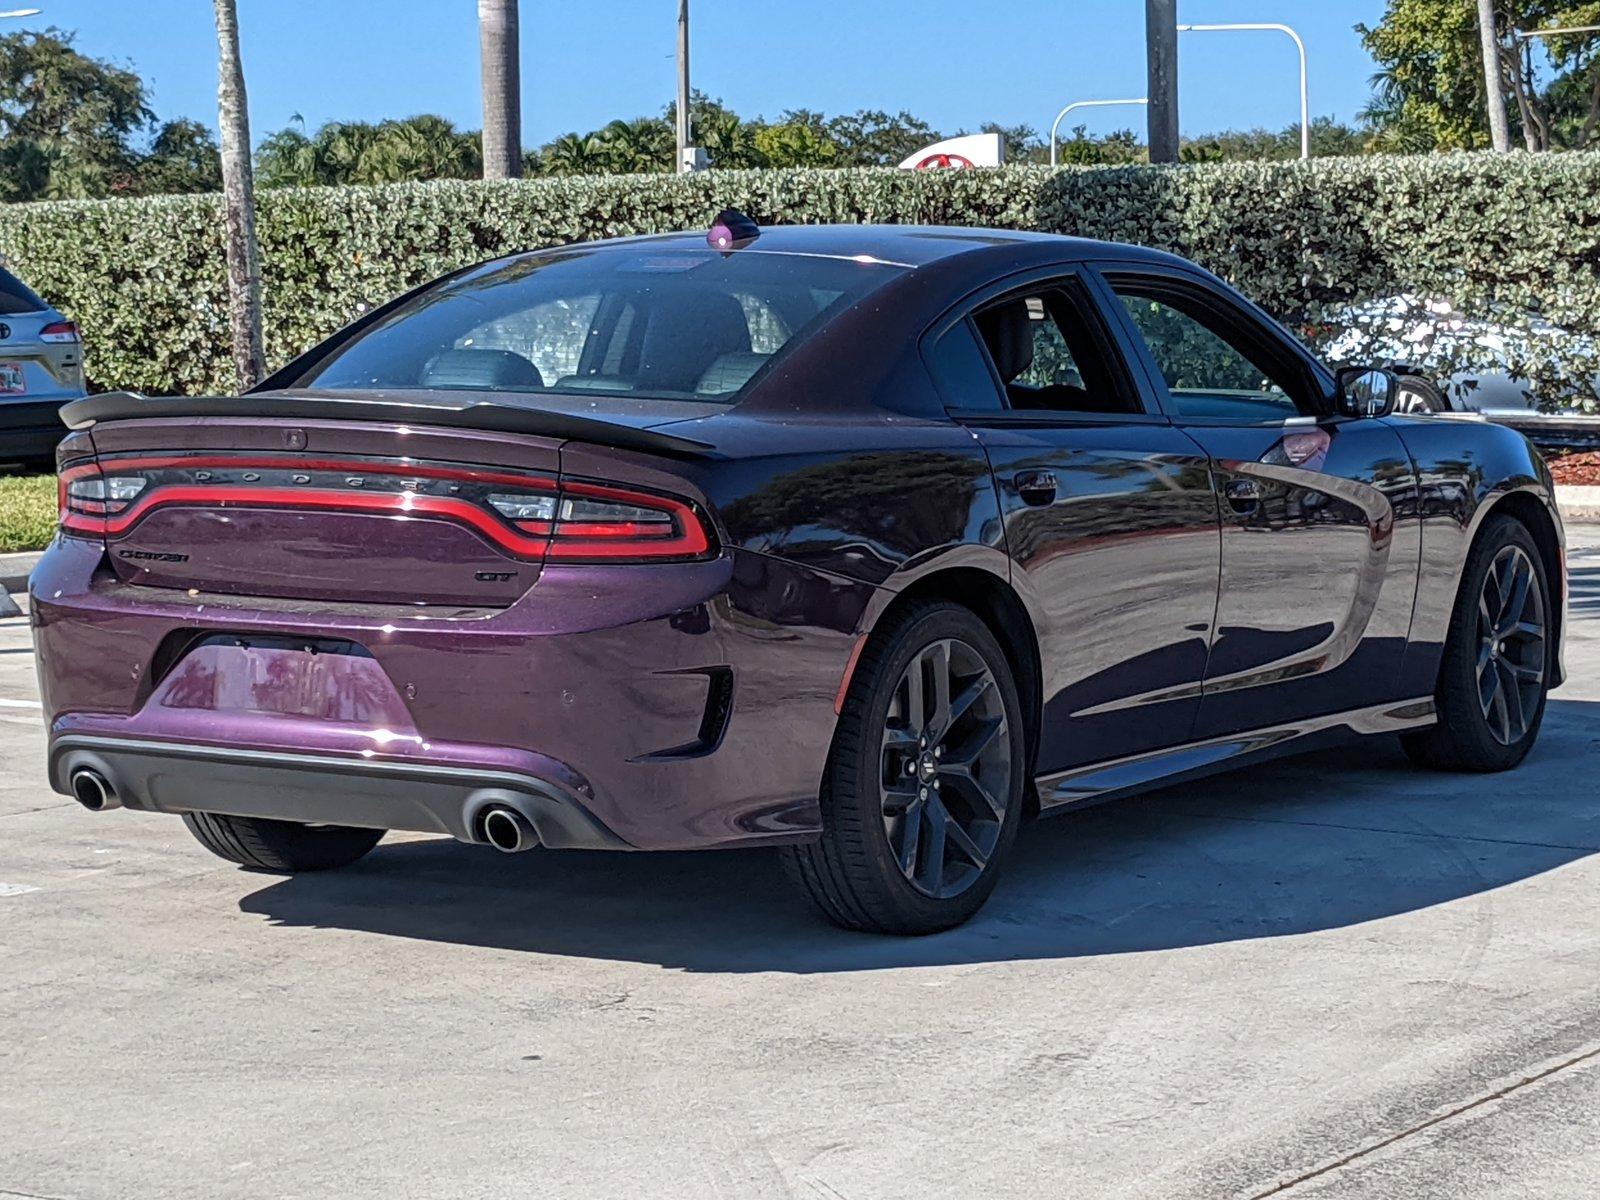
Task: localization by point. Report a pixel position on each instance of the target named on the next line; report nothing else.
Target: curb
(15, 568)
(1578, 505)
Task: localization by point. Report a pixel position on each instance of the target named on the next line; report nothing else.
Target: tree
(1329, 138)
(795, 143)
(360, 152)
(238, 200)
(183, 157)
(1431, 92)
(874, 138)
(1021, 142)
(66, 120)
(502, 89)
(1494, 93)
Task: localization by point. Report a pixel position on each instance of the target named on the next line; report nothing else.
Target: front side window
(1209, 372)
(668, 324)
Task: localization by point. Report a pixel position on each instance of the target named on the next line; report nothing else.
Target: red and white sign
(958, 153)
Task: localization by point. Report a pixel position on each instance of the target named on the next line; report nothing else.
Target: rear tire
(1490, 705)
(282, 847)
(919, 811)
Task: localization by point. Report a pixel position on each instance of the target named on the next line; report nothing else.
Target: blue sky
(956, 63)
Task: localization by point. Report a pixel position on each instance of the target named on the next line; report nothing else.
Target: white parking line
(5, 703)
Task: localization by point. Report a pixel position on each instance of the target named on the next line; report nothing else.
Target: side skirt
(1082, 786)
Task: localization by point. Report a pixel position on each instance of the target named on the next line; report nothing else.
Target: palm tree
(575, 154)
(502, 89)
(637, 147)
(238, 201)
(1494, 89)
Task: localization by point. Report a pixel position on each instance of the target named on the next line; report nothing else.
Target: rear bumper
(175, 777)
(669, 707)
(31, 428)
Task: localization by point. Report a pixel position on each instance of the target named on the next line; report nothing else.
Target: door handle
(1036, 487)
(1243, 495)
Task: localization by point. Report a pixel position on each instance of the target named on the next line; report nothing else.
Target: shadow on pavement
(1318, 842)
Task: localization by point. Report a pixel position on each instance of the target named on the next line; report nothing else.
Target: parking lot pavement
(1334, 976)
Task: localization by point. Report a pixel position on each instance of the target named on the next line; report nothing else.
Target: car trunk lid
(328, 511)
(419, 498)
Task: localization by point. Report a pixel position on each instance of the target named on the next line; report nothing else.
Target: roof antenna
(732, 230)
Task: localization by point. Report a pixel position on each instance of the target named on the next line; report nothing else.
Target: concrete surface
(15, 568)
(1332, 977)
(1578, 502)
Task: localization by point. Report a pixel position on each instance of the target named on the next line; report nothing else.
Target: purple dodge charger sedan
(863, 543)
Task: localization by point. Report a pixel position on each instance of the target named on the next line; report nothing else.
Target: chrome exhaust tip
(509, 831)
(93, 790)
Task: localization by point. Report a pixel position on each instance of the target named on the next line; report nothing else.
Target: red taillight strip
(399, 504)
(559, 541)
(592, 540)
(110, 466)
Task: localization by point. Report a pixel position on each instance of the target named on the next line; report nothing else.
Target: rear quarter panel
(1465, 470)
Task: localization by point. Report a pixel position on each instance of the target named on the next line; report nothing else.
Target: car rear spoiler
(464, 411)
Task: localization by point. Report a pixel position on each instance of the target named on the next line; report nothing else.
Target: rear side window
(1052, 354)
(962, 372)
(16, 296)
(663, 323)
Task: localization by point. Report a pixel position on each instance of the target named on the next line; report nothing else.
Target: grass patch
(27, 512)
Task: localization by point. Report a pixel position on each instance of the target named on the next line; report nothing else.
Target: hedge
(1497, 234)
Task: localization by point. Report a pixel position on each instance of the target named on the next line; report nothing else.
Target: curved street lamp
(1056, 124)
(1305, 97)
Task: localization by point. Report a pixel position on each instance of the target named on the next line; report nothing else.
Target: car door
(1319, 550)
(1110, 516)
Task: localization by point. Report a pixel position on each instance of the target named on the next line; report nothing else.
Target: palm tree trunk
(1489, 38)
(238, 200)
(502, 89)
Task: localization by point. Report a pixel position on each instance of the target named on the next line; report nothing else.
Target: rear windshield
(671, 324)
(15, 296)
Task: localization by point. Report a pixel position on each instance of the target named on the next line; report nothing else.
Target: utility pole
(1494, 90)
(683, 86)
(1161, 49)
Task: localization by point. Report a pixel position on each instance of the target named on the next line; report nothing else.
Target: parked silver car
(41, 368)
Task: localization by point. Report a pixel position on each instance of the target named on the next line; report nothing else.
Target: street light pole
(1305, 94)
(1056, 124)
(1523, 35)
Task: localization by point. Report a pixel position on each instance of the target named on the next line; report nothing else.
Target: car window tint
(1208, 375)
(550, 335)
(16, 296)
(962, 372)
(768, 330)
(663, 323)
(1051, 354)
(1053, 364)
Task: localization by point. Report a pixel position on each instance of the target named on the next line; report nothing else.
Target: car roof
(903, 245)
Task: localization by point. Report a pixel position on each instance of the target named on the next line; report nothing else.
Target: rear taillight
(60, 333)
(590, 521)
(85, 497)
(528, 517)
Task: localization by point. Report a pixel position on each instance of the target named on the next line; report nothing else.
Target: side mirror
(1367, 391)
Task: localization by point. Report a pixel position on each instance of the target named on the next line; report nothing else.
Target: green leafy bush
(1515, 238)
(27, 512)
